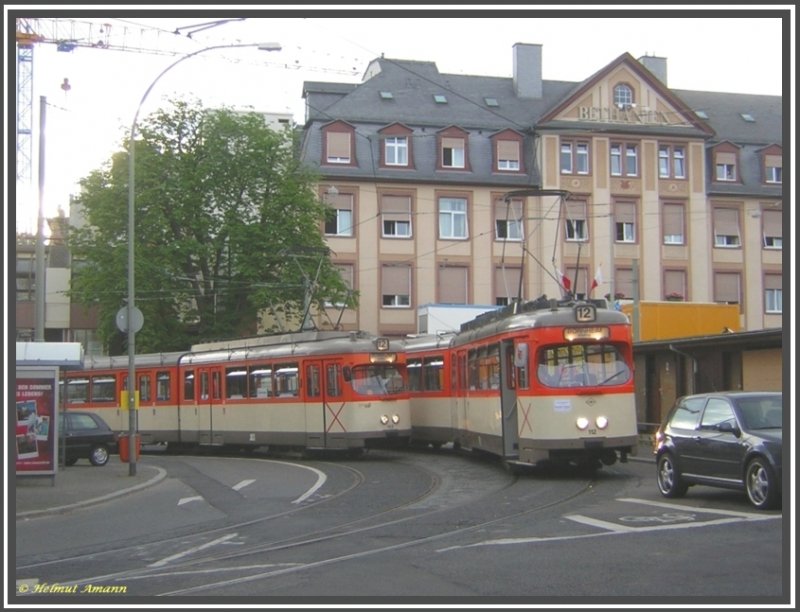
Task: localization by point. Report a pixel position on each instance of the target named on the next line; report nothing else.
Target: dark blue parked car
(728, 439)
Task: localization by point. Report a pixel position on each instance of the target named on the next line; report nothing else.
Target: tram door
(208, 395)
(508, 400)
(325, 404)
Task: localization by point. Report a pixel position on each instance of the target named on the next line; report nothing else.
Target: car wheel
(669, 479)
(762, 489)
(99, 455)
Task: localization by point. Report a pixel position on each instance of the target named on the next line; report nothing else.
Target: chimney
(528, 70)
(656, 65)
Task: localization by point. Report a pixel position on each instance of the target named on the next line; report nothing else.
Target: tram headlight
(582, 423)
(395, 418)
(384, 419)
(601, 422)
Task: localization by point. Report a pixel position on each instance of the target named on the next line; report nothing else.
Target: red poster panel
(36, 425)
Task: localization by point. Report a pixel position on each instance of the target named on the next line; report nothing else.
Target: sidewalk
(79, 485)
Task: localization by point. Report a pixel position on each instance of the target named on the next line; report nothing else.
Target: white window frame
(396, 150)
(344, 227)
(623, 95)
(449, 217)
(671, 162)
(457, 156)
(726, 172)
(577, 230)
(628, 231)
(774, 175)
(622, 154)
(773, 301)
(513, 230)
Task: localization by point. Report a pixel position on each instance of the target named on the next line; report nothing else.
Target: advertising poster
(35, 425)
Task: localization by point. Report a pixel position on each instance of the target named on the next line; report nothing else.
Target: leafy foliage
(225, 217)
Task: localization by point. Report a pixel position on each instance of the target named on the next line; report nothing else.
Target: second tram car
(540, 382)
(306, 390)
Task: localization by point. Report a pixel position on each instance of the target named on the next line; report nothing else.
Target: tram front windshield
(377, 379)
(582, 365)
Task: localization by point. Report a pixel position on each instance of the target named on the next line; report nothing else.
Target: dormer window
(453, 153)
(338, 139)
(623, 96)
(507, 153)
(396, 146)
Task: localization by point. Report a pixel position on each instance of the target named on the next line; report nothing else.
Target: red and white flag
(565, 281)
(598, 278)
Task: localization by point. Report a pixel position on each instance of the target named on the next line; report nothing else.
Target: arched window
(623, 96)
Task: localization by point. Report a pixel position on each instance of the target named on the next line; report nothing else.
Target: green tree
(222, 207)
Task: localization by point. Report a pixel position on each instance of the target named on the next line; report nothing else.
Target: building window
(623, 283)
(396, 286)
(773, 293)
(338, 147)
(727, 287)
(675, 283)
(673, 223)
(624, 160)
(452, 218)
(508, 220)
(625, 221)
(396, 150)
(506, 284)
(574, 157)
(773, 169)
(772, 221)
(346, 271)
(575, 222)
(339, 219)
(396, 216)
(453, 153)
(725, 166)
(453, 285)
(508, 155)
(726, 228)
(671, 162)
(623, 96)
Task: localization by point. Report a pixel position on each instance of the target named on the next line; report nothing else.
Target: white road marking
(243, 484)
(186, 500)
(192, 550)
(321, 478)
(612, 529)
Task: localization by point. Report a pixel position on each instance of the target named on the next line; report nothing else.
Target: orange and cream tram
(306, 390)
(539, 382)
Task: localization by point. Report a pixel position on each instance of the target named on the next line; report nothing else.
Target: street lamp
(133, 317)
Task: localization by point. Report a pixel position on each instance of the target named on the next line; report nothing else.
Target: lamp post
(133, 317)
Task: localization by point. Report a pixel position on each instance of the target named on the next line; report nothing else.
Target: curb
(160, 475)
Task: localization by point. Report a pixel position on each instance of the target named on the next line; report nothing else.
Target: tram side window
(188, 385)
(145, 388)
(332, 378)
(235, 383)
(414, 368)
(104, 388)
(216, 388)
(433, 373)
(520, 369)
(78, 391)
(484, 367)
(313, 381)
(286, 380)
(261, 381)
(162, 386)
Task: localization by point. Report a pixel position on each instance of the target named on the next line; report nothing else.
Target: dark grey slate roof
(413, 84)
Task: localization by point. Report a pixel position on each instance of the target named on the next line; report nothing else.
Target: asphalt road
(405, 528)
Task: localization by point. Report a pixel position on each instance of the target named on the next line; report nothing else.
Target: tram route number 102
(585, 313)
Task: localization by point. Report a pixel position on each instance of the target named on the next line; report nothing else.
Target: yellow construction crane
(68, 35)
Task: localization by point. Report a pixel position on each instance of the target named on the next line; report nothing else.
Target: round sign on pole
(136, 322)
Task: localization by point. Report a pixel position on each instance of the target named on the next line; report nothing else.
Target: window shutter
(773, 223)
(506, 282)
(725, 158)
(625, 212)
(508, 210)
(452, 285)
(395, 280)
(452, 143)
(773, 281)
(773, 161)
(674, 281)
(508, 149)
(339, 144)
(726, 221)
(673, 219)
(396, 208)
(726, 287)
